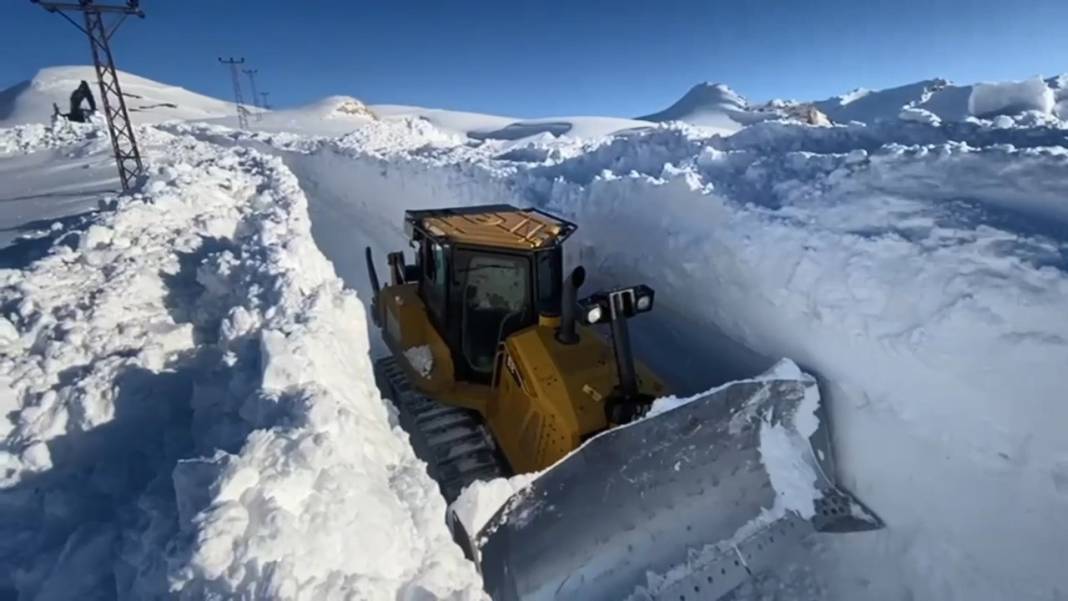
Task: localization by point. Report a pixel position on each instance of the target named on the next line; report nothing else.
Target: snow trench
(924, 284)
(191, 411)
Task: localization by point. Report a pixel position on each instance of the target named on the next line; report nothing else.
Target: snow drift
(192, 410)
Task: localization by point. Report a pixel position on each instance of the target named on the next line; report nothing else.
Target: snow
(1010, 98)
(496, 127)
(480, 501)
(421, 358)
(784, 447)
(918, 267)
(911, 113)
(710, 105)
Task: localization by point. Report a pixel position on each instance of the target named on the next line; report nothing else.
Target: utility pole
(252, 85)
(242, 112)
(266, 106)
(123, 143)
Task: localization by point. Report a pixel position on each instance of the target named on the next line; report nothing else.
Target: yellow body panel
(546, 398)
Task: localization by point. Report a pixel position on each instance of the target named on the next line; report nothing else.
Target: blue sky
(557, 58)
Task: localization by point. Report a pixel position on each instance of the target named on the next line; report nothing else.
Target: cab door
(492, 296)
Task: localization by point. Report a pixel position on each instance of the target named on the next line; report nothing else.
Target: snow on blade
(421, 359)
(478, 503)
(784, 449)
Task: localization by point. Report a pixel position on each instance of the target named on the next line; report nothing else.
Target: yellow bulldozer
(497, 368)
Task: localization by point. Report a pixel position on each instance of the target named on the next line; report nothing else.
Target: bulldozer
(497, 368)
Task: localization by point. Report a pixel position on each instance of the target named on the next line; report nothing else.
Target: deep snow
(191, 411)
(917, 265)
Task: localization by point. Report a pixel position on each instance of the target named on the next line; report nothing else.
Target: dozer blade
(684, 505)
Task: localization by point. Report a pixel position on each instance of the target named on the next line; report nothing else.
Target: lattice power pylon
(252, 86)
(123, 142)
(242, 112)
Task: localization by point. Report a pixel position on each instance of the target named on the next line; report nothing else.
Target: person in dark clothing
(81, 94)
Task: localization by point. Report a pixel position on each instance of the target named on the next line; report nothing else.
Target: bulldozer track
(454, 442)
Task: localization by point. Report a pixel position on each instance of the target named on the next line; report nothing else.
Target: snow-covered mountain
(948, 101)
(719, 107)
(190, 410)
(147, 101)
(708, 104)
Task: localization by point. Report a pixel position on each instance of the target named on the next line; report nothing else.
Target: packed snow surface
(480, 501)
(191, 407)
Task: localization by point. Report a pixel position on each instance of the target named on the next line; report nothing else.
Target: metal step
(454, 442)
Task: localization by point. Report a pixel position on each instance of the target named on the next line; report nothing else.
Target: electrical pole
(242, 112)
(123, 143)
(252, 85)
(266, 106)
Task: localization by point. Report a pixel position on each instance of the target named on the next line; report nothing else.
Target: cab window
(435, 278)
(495, 301)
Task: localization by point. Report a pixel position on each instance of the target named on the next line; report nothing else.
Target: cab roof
(498, 226)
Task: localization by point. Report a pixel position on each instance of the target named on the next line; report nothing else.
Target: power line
(252, 85)
(123, 142)
(242, 112)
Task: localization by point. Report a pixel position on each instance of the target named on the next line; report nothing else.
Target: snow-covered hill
(147, 101)
(196, 343)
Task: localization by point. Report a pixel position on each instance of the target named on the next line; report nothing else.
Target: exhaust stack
(566, 334)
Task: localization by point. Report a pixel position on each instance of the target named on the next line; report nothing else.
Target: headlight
(644, 303)
(594, 314)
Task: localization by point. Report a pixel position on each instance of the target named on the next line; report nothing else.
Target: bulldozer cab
(485, 273)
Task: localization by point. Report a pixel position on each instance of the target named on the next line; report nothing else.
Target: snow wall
(199, 320)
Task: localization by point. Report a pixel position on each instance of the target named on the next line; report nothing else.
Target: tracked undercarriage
(454, 442)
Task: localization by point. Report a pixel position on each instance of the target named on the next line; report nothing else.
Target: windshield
(496, 302)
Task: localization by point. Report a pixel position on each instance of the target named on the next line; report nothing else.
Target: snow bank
(1010, 98)
(193, 413)
(26, 139)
